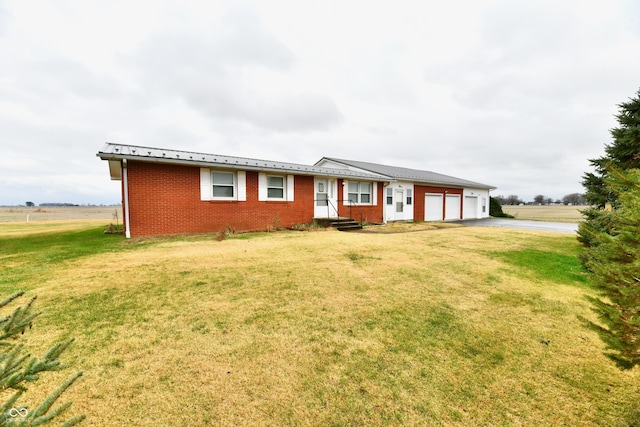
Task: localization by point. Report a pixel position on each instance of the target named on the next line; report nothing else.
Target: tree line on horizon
(574, 199)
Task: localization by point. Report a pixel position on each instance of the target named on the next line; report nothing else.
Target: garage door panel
(433, 205)
(452, 208)
(470, 207)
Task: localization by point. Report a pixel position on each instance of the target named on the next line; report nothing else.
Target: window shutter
(242, 186)
(374, 196)
(290, 188)
(206, 189)
(345, 193)
(262, 187)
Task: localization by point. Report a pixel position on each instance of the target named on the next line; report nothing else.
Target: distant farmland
(546, 213)
(50, 213)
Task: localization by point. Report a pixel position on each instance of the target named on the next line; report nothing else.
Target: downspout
(385, 184)
(125, 187)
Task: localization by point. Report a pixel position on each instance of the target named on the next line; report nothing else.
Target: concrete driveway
(560, 227)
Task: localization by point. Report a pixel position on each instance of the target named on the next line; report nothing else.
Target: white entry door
(325, 201)
(433, 205)
(394, 205)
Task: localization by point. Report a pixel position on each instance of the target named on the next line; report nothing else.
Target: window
(389, 196)
(365, 192)
(359, 192)
(275, 187)
(322, 199)
(409, 197)
(223, 185)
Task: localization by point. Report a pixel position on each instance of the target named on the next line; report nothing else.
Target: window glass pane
(222, 191)
(353, 187)
(321, 199)
(275, 193)
(223, 184)
(353, 197)
(389, 200)
(275, 181)
(222, 178)
(389, 192)
(365, 198)
(365, 187)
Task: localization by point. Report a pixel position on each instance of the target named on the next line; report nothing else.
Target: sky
(514, 94)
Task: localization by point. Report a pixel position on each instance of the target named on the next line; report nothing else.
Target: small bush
(495, 209)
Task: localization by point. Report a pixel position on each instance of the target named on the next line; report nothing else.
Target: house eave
(173, 157)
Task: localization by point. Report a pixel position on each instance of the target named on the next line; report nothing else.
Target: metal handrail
(351, 206)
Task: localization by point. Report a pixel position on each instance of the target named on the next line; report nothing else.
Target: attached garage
(452, 209)
(412, 194)
(470, 207)
(433, 206)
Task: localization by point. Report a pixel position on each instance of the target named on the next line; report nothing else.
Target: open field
(450, 326)
(24, 214)
(546, 213)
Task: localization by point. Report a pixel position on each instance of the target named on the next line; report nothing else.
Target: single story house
(173, 192)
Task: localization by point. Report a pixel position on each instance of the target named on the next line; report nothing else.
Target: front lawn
(451, 326)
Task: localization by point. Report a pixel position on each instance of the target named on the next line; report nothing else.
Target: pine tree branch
(40, 413)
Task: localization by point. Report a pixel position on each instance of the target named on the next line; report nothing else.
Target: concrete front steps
(340, 224)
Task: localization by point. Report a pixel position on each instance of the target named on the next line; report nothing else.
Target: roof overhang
(115, 153)
(115, 169)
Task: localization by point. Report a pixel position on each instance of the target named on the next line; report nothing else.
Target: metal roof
(414, 175)
(112, 151)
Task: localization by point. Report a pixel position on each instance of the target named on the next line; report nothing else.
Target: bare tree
(513, 200)
(573, 199)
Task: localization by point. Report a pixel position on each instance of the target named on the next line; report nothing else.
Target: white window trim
(239, 185)
(373, 198)
(263, 193)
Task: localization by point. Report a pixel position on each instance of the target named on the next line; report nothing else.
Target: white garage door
(470, 207)
(452, 210)
(433, 207)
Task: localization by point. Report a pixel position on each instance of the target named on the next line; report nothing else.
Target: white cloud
(515, 94)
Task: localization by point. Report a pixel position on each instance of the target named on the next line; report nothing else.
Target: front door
(395, 206)
(325, 198)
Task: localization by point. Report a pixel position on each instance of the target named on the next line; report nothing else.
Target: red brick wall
(165, 199)
(421, 190)
(373, 214)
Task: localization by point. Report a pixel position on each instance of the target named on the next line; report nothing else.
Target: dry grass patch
(36, 214)
(21, 229)
(332, 328)
(546, 213)
(408, 226)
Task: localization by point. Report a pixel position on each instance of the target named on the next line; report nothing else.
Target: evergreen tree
(614, 264)
(622, 154)
(18, 368)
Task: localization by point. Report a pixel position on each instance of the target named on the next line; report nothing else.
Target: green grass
(548, 265)
(25, 260)
(451, 326)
